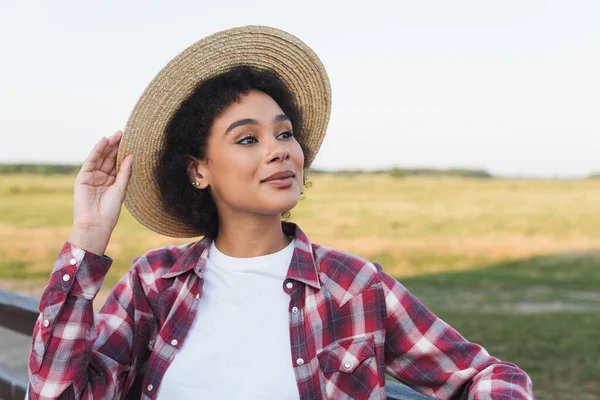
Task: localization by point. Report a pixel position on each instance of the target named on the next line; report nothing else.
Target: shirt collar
(302, 267)
(195, 256)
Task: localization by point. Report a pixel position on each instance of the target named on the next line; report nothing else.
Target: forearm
(64, 333)
(425, 352)
(501, 381)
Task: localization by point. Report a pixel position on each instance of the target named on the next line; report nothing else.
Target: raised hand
(98, 195)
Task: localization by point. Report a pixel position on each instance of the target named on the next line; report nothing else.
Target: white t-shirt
(238, 346)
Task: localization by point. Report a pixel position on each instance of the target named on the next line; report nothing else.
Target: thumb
(124, 174)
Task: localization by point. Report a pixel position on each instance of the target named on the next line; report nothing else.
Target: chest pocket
(346, 355)
(349, 369)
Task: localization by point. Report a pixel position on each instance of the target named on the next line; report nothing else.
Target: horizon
(431, 171)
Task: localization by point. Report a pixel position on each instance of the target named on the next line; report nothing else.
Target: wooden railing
(19, 313)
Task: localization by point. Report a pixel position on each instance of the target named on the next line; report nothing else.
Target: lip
(281, 183)
(281, 175)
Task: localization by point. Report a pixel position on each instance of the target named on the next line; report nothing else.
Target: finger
(109, 161)
(115, 137)
(124, 173)
(110, 180)
(100, 151)
(113, 142)
(113, 145)
(91, 162)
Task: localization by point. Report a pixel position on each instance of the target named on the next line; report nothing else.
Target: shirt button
(289, 285)
(66, 277)
(73, 261)
(299, 361)
(150, 387)
(174, 342)
(197, 296)
(347, 365)
(295, 310)
(46, 323)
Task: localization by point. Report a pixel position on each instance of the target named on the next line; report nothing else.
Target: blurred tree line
(406, 172)
(43, 169)
(54, 169)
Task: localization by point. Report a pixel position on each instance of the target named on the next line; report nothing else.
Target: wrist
(92, 241)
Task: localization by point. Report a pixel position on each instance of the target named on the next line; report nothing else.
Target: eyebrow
(252, 121)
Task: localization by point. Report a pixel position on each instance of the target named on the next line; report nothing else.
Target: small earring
(195, 183)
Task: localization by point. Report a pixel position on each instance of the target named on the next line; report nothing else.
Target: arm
(425, 352)
(75, 353)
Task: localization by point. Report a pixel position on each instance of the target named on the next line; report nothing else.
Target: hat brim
(257, 46)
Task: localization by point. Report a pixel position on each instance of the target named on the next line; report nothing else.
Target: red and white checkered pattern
(350, 323)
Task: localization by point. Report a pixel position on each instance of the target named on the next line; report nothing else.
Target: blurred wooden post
(17, 313)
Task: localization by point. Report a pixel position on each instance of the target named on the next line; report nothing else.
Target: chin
(287, 207)
(282, 205)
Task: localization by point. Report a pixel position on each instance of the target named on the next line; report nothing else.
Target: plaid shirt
(350, 323)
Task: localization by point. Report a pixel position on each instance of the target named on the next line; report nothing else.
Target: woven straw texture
(258, 46)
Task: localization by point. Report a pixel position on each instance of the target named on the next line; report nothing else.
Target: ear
(198, 173)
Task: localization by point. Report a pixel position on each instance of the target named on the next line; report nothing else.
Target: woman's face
(248, 143)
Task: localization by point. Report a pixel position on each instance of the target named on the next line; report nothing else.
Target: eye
(287, 134)
(247, 140)
(251, 139)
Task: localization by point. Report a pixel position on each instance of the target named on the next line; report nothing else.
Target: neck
(251, 235)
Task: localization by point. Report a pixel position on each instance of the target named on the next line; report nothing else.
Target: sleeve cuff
(79, 272)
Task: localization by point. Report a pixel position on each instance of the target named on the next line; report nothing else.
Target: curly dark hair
(187, 134)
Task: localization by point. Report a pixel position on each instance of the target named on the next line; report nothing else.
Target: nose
(278, 152)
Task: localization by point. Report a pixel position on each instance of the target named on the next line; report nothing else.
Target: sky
(512, 87)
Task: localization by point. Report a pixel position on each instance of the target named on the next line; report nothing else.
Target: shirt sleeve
(76, 353)
(423, 351)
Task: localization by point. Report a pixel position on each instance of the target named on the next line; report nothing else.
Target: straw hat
(257, 46)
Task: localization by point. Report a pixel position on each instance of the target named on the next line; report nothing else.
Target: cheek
(234, 169)
(297, 155)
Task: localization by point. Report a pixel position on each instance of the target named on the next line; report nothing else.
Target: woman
(221, 139)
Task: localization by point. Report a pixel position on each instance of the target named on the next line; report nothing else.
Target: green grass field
(512, 264)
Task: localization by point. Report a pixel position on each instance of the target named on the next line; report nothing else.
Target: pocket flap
(346, 354)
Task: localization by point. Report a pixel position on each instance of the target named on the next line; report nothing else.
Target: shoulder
(156, 262)
(354, 275)
(165, 253)
(345, 269)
